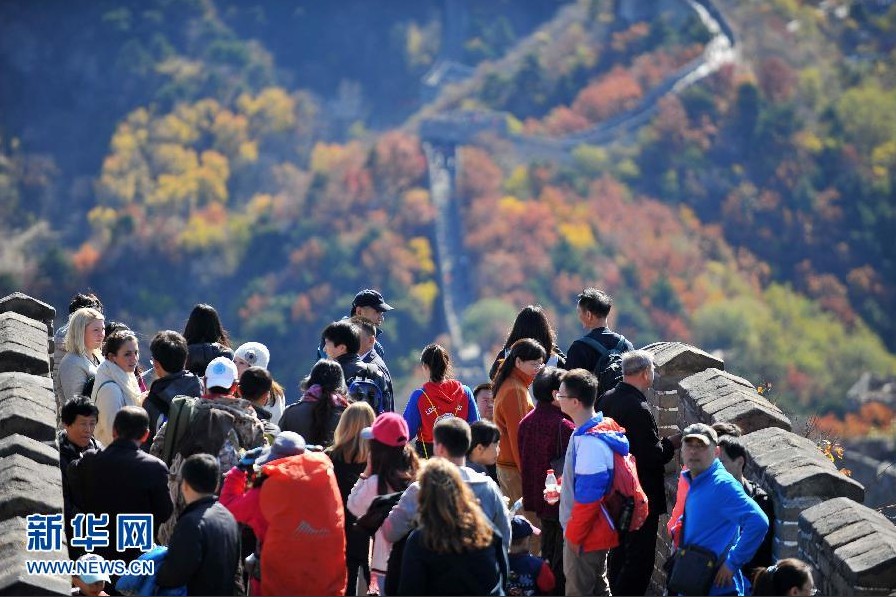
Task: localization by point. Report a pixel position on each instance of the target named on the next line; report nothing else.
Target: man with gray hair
(631, 564)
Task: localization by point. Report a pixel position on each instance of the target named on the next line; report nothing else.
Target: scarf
(125, 380)
(314, 393)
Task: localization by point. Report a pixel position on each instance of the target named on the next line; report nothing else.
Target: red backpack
(626, 501)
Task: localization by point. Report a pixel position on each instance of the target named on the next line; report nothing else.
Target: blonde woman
(349, 456)
(116, 383)
(455, 550)
(83, 344)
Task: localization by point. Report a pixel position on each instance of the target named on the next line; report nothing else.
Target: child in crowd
(91, 584)
(529, 575)
(483, 454)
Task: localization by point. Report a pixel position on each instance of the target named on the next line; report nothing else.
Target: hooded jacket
(587, 476)
(436, 400)
(401, 520)
(162, 392)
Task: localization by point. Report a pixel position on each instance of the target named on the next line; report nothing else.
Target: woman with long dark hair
(512, 381)
(116, 383)
(440, 397)
(391, 466)
(532, 322)
(206, 339)
(316, 415)
(455, 550)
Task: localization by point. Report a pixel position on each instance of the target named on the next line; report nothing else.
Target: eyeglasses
(559, 395)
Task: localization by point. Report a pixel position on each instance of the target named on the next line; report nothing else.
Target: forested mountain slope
(253, 155)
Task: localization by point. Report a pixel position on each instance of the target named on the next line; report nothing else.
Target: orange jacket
(304, 548)
(511, 405)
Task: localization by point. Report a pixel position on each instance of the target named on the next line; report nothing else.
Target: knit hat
(254, 353)
(288, 443)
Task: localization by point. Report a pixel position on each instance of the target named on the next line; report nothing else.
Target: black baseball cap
(371, 298)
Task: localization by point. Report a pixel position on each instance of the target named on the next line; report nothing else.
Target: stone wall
(692, 386)
(30, 482)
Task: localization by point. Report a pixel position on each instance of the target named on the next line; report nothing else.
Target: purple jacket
(540, 433)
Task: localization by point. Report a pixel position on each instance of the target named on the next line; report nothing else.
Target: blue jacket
(130, 584)
(718, 514)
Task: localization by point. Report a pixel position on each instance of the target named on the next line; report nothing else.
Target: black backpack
(609, 363)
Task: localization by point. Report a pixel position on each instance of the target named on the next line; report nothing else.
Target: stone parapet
(853, 546)
(23, 345)
(713, 396)
(676, 360)
(794, 472)
(30, 479)
(27, 406)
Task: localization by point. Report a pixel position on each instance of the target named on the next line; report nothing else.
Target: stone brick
(23, 345)
(27, 306)
(29, 487)
(667, 417)
(786, 530)
(25, 446)
(716, 396)
(14, 579)
(27, 406)
(667, 399)
(676, 360)
(856, 542)
(793, 467)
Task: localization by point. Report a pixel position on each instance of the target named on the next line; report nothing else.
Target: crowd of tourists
(546, 479)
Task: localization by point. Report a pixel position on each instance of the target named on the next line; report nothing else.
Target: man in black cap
(370, 305)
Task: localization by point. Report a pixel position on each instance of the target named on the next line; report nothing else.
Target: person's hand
(675, 440)
(724, 576)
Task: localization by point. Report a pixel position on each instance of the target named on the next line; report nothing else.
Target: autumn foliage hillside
(201, 150)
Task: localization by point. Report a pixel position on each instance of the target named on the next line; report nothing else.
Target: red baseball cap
(389, 428)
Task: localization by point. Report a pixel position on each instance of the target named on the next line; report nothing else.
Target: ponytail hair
(436, 358)
(782, 576)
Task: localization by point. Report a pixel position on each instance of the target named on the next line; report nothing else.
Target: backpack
(608, 369)
(180, 414)
(363, 387)
(87, 390)
(626, 501)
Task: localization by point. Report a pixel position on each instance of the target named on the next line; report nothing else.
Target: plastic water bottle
(551, 489)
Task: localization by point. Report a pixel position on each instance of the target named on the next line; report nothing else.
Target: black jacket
(626, 405)
(763, 556)
(121, 480)
(204, 551)
(201, 354)
(68, 453)
(479, 572)
(161, 393)
(580, 355)
(357, 542)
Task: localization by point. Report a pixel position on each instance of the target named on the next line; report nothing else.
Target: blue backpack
(364, 387)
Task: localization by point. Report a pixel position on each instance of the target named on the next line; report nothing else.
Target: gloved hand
(249, 458)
